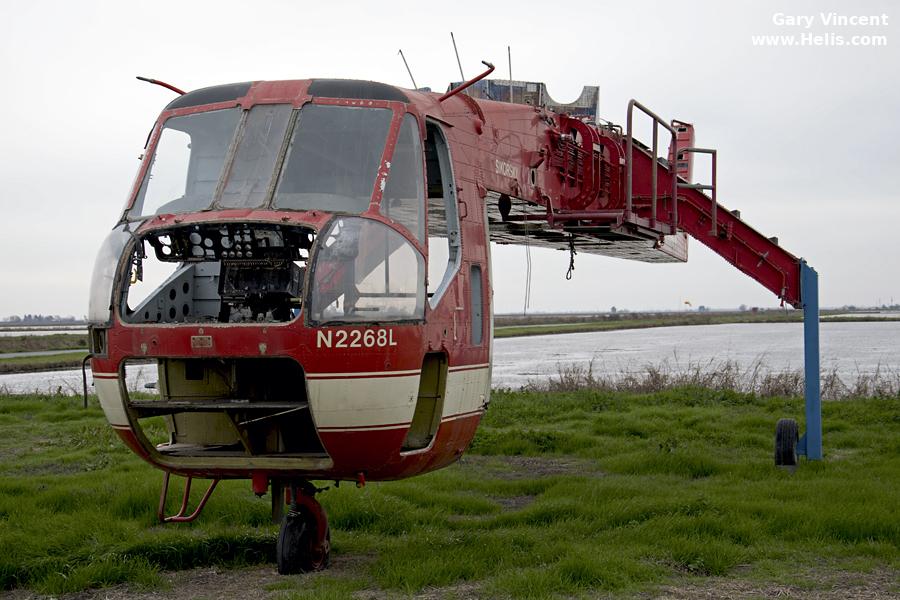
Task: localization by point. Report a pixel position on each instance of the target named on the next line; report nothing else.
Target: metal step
(152, 408)
(177, 450)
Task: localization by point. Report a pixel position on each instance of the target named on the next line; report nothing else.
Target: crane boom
(554, 175)
(565, 182)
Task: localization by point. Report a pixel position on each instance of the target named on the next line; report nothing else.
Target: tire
(787, 434)
(296, 549)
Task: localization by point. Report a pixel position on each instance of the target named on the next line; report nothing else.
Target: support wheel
(787, 434)
(298, 548)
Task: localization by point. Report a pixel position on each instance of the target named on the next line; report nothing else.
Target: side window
(168, 175)
(443, 219)
(477, 305)
(403, 199)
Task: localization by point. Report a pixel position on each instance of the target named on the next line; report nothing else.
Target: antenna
(455, 51)
(415, 87)
(466, 84)
(168, 86)
(509, 56)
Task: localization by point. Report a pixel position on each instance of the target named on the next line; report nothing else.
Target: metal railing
(629, 163)
(699, 186)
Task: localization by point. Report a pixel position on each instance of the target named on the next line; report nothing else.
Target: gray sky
(807, 136)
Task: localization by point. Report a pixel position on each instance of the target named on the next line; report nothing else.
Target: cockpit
(359, 165)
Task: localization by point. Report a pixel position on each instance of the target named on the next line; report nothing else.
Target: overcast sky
(807, 136)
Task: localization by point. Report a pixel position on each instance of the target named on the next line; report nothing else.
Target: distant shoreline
(528, 325)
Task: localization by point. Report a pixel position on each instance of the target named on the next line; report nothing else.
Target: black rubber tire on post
(787, 434)
(296, 548)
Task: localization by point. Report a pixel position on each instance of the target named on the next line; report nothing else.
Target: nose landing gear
(304, 542)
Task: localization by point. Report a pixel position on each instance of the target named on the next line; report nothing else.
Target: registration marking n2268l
(355, 338)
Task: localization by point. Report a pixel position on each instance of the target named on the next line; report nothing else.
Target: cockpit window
(403, 199)
(187, 164)
(333, 159)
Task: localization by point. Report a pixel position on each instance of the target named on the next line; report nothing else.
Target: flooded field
(849, 349)
(69, 381)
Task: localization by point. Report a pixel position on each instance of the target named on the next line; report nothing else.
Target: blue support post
(811, 442)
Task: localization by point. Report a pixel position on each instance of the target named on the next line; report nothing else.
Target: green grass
(42, 343)
(565, 494)
(49, 362)
(35, 343)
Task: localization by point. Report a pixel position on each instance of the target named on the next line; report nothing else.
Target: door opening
(430, 405)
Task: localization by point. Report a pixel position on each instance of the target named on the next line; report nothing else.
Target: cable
(572, 254)
(527, 263)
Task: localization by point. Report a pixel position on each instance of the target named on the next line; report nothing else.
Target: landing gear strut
(304, 542)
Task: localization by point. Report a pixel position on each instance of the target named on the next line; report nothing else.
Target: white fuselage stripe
(364, 428)
(360, 401)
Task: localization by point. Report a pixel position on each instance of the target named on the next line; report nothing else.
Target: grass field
(49, 362)
(36, 343)
(565, 494)
(42, 343)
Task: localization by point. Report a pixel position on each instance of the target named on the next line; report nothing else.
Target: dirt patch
(513, 502)
(47, 469)
(508, 503)
(460, 591)
(529, 467)
(251, 583)
(248, 583)
(827, 585)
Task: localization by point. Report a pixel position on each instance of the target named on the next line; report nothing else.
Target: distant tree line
(882, 307)
(29, 319)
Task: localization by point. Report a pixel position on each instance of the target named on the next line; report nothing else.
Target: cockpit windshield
(188, 163)
(328, 157)
(333, 158)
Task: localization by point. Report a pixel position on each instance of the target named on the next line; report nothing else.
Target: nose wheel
(304, 542)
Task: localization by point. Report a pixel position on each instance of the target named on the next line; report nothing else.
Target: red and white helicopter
(322, 301)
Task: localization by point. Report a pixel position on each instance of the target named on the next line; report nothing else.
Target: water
(69, 381)
(848, 348)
